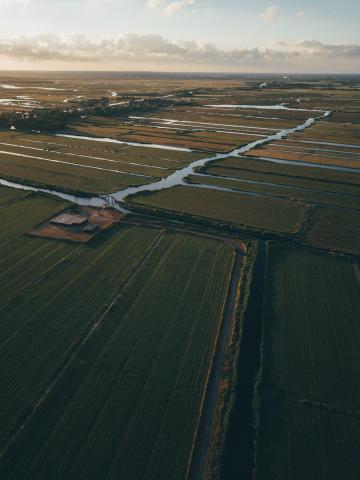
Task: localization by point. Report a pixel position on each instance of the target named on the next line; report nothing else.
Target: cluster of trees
(52, 119)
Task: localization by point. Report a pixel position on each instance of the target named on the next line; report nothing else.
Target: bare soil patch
(66, 226)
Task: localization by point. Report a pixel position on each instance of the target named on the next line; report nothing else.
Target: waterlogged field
(311, 178)
(104, 366)
(27, 90)
(81, 166)
(253, 186)
(175, 136)
(309, 388)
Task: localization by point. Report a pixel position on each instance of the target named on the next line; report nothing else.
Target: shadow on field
(238, 457)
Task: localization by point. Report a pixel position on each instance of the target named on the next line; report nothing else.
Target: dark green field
(309, 385)
(106, 349)
(278, 191)
(227, 208)
(213, 333)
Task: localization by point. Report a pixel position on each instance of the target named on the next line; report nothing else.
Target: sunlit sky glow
(181, 35)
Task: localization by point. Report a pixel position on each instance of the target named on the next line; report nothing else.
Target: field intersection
(179, 276)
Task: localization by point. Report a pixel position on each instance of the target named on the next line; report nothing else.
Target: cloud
(316, 48)
(12, 2)
(167, 7)
(270, 13)
(300, 13)
(154, 3)
(134, 51)
(178, 5)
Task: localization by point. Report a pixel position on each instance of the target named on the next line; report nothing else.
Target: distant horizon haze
(181, 35)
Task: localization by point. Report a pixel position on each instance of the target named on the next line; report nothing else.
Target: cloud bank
(137, 51)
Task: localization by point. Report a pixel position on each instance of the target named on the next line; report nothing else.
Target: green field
(278, 191)
(25, 211)
(213, 331)
(65, 177)
(309, 388)
(287, 175)
(334, 229)
(84, 166)
(104, 366)
(226, 208)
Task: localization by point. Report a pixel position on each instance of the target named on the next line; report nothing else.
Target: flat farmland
(226, 208)
(269, 112)
(9, 195)
(167, 346)
(309, 422)
(77, 165)
(298, 441)
(22, 211)
(203, 123)
(319, 156)
(331, 132)
(123, 153)
(311, 94)
(104, 366)
(312, 178)
(205, 117)
(171, 136)
(274, 190)
(334, 229)
(28, 90)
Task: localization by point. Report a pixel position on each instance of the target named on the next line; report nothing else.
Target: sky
(304, 36)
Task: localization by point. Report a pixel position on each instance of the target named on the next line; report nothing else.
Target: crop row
(65, 175)
(44, 323)
(279, 191)
(129, 403)
(87, 162)
(309, 390)
(20, 215)
(250, 212)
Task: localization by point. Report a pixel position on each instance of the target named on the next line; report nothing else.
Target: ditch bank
(238, 456)
(203, 440)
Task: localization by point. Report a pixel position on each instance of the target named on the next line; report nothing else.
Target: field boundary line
(43, 275)
(196, 466)
(76, 349)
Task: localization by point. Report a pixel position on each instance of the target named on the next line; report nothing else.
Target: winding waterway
(116, 199)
